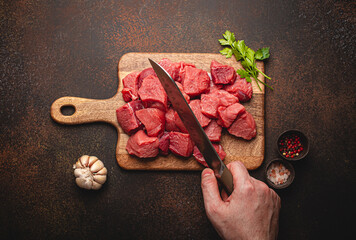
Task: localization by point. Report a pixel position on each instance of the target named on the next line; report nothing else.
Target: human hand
(250, 212)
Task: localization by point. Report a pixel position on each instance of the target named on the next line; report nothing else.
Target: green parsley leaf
(224, 42)
(241, 47)
(262, 53)
(250, 54)
(229, 36)
(237, 55)
(227, 51)
(243, 73)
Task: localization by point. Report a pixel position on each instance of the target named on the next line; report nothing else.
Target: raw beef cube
(213, 131)
(222, 74)
(196, 81)
(244, 126)
(225, 99)
(127, 118)
(209, 105)
(180, 144)
(186, 96)
(181, 70)
(241, 89)
(164, 143)
(200, 158)
(172, 68)
(227, 115)
(145, 73)
(130, 83)
(153, 119)
(142, 145)
(170, 121)
(152, 93)
(195, 106)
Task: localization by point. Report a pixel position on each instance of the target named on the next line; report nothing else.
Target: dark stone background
(51, 49)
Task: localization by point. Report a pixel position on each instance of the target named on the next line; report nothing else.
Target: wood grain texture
(251, 153)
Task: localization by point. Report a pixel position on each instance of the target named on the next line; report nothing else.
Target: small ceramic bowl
(278, 170)
(292, 145)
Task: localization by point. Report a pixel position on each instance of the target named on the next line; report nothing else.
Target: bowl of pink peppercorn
(292, 145)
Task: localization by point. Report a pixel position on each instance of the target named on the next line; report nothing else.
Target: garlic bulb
(90, 172)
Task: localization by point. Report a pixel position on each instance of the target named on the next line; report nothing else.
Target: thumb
(210, 189)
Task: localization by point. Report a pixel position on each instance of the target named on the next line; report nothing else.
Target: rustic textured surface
(251, 153)
(50, 49)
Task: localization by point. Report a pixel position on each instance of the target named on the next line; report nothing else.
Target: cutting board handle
(85, 110)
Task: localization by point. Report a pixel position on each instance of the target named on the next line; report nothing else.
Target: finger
(239, 173)
(277, 199)
(210, 189)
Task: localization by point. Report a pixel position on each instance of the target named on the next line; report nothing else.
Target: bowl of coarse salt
(279, 173)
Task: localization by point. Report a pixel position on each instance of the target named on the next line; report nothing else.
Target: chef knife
(194, 128)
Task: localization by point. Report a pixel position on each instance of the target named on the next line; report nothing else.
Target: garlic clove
(83, 173)
(100, 179)
(84, 183)
(103, 171)
(96, 186)
(92, 160)
(78, 164)
(98, 165)
(78, 172)
(84, 160)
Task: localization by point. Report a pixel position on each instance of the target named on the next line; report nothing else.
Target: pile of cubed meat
(155, 127)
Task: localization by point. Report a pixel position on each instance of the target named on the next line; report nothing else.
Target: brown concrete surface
(50, 49)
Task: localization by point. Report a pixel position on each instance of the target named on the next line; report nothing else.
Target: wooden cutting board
(251, 153)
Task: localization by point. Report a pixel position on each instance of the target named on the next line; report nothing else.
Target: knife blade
(194, 128)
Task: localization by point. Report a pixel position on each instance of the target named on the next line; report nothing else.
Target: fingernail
(207, 172)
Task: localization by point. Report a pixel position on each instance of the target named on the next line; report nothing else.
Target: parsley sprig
(247, 56)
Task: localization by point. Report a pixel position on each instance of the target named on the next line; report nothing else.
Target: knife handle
(226, 180)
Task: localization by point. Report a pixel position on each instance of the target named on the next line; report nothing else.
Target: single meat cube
(180, 144)
(195, 106)
(244, 126)
(200, 158)
(227, 115)
(241, 89)
(186, 96)
(153, 119)
(222, 74)
(145, 73)
(142, 145)
(181, 70)
(196, 81)
(130, 83)
(171, 121)
(172, 68)
(127, 118)
(152, 93)
(225, 99)
(209, 105)
(213, 131)
(164, 143)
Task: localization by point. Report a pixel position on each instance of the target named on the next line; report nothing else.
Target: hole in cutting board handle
(68, 110)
